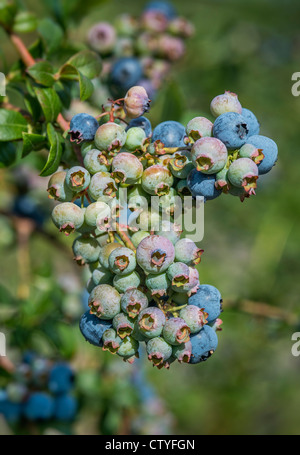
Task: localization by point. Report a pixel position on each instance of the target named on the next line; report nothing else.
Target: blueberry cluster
(228, 155)
(40, 391)
(144, 284)
(139, 50)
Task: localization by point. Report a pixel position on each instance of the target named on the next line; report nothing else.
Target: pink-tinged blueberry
(83, 127)
(96, 161)
(269, 149)
(155, 254)
(123, 325)
(228, 102)
(158, 351)
(158, 284)
(151, 322)
(186, 251)
(180, 26)
(208, 299)
(199, 127)
(86, 250)
(122, 261)
(201, 184)
(104, 302)
(232, 129)
(127, 168)
(239, 192)
(102, 185)
(194, 317)
(58, 189)
(243, 173)
(222, 182)
(111, 341)
(67, 217)
(252, 122)
(124, 282)
(171, 231)
(77, 179)
(136, 102)
(110, 137)
(204, 344)
(102, 37)
(178, 274)
(133, 302)
(154, 21)
(157, 180)
(171, 47)
(209, 155)
(250, 151)
(182, 352)
(176, 331)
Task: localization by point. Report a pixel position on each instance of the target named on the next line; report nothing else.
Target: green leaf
(33, 107)
(69, 72)
(25, 22)
(50, 103)
(42, 73)
(32, 142)
(51, 33)
(8, 153)
(55, 152)
(12, 125)
(8, 10)
(87, 62)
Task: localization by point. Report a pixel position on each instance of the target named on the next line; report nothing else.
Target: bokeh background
(252, 249)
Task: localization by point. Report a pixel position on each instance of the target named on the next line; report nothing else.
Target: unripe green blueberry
(151, 322)
(199, 127)
(128, 348)
(137, 198)
(96, 161)
(126, 168)
(133, 302)
(122, 261)
(102, 185)
(85, 147)
(136, 102)
(158, 351)
(157, 180)
(250, 151)
(147, 221)
(111, 341)
(97, 211)
(176, 331)
(138, 236)
(182, 352)
(85, 228)
(137, 334)
(78, 179)
(186, 251)
(243, 173)
(178, 274)
(123, 325)
(58, 189)
(90, 285)
(67, 217)
(182, 188)
(163, 160)
(86, 250)
(101, 275)
(209, 155)
(105, 252)
(222, 183)
(110, 137)
(193, 283)
(228, 102)
(172, 231)
(104, 302)
(155, 254)
(180, 298)
(124, 282)
(135, 138)
(158, 284)
(181, 164)
(194, 317)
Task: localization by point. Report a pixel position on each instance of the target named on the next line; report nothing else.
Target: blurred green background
(252, 249)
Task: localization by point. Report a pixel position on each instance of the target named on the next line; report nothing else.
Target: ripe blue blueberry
(232, 129)
(125, 73)
(11, 411)
(170, 133)
(65, 407)
(162, 6)
(252, 122)
(61, 379)
(83, 127)
(209, 299)
(141, 122)
(204, 343)
(92, 328)
(269, 149)
(39, 406)
(201, 184)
